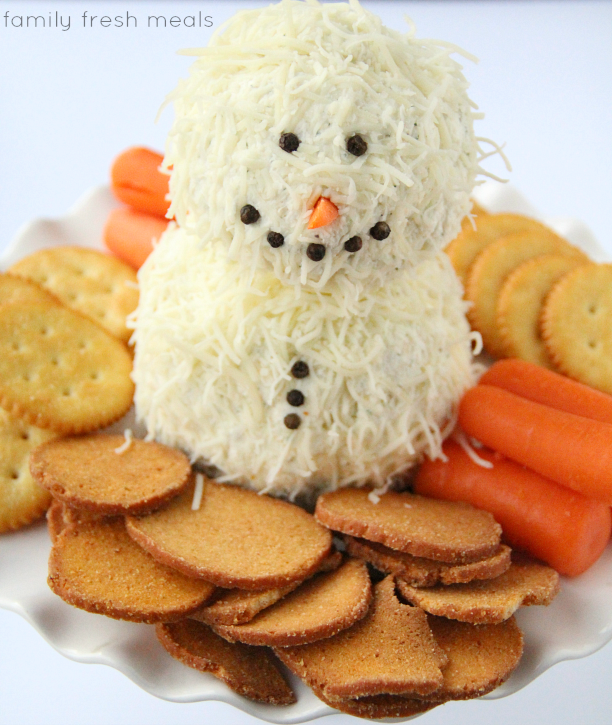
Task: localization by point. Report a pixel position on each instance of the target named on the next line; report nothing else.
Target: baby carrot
(559, 526)
(129, 234)
(136, 180)
(569, 449)
(549, 388)
(323, 213)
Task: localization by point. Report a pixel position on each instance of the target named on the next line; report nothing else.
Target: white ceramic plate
(575, 625)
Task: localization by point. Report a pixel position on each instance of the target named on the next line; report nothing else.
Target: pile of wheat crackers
(536, 297)
(412, 609)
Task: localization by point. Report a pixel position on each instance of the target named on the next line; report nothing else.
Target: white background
(71, 100)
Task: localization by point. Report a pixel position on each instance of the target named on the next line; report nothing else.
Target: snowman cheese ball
(299, 327)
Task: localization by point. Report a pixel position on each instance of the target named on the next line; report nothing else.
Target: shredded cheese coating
(215, 345)
(127, 433)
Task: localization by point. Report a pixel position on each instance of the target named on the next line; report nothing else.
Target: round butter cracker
(491, 269)
(18, 289)
(519, 307)
(577, 327)
(22, 500)
(99, 286)
(464, 249)
(60, 370)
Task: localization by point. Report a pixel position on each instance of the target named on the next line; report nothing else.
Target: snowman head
(312, 141)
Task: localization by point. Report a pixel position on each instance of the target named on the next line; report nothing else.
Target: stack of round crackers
(536, 297)
(65, 367)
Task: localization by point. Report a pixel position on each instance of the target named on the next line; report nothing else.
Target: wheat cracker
(99, 286)
(236, 538)
(491, 269)
(520, 303)
(480, 656)
(377, 707)
(390, 651)
(525, 583)
(22, 500)
(421, 572)
(321, 607)
(252, 672)
(464, 249)
(448, 531)
(96, 566)
(577, 327)
(60, 516)
(237, 606)
(61, 371)
(87, 472)
(55, 520)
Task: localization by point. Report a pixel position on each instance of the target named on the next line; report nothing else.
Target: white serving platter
(576, 624)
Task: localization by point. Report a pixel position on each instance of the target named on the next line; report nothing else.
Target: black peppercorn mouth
(316, 252)
(275, 239)
(353, 244)
(380, 231)
(249, 214)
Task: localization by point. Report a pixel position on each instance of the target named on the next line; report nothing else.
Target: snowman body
(288, 354)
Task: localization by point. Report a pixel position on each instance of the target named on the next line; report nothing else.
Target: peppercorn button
(292, 421)
(300, 369)
(249, 214)
(295, 398)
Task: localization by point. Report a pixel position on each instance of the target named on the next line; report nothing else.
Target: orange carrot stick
(561, 527)
(136, 180)
(323, 213)
(569, 449)
(549, 388)
(129, 234)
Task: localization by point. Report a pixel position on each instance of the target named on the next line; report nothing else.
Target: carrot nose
(323, 213)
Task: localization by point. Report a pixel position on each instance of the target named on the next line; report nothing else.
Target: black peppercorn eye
(353, 244)
(300, 369)
(295, 398)
(249, 214)
(316, 252)
(289, 142)
(292, 421)
(356, 145)
(275, 239)
(380, 231)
